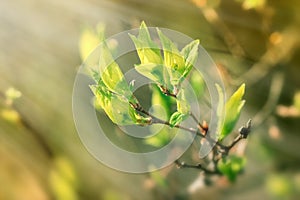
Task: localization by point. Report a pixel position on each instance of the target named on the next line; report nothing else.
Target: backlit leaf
(154, 72)
(183, 105)
(173, 60)
(147, 50)
(220, 110)
(111, 73)
(232, 111)
(177, 118)
(197, 84)
(190, 54)
(116, 107)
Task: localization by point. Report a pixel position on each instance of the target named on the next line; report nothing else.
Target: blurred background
(41, 156)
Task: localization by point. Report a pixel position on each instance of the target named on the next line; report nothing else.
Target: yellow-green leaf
(176, 118)
(183, 105)
(111, 73)
(173, 60)
(190, 54)
(220, 110)
(116, 107)
(154, 72)
(232, 111)
(197, 84)
(147, 50)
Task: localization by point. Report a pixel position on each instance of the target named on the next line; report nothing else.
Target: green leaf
(111, 73)
(173, 60)
(220, 110)
(183, 105)
(231, 166)
(166, 102)
(147, 50)
(232, 111)
(117, 107)
(144, 35)
(197, 84)
(103, 98)
(190, 54)
(177, 118)
(154, 72)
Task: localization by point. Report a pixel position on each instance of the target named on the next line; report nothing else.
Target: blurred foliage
(249, 4)
(90, 39)
(63, 179)
(9, 113)
(232, 166)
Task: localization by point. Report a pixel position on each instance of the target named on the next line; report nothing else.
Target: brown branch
(198, 166)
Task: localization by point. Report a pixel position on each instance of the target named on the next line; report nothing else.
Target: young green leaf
(220, 109)
(183, 105)
(232, 111)
(147, 50)
(117, 107)
(166, 102)
(173, 60)
(154, 72)
(197, 84)
(111, 73)
(190, 54)
(103, 98)
(231, 166)
(177, 118)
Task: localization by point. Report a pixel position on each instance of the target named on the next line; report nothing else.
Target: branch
(198, 166)
(244, 132)
(167, 92)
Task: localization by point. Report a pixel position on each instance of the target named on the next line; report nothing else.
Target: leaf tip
(143, 25)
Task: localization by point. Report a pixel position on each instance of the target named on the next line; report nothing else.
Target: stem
(198, 166)
(235, 141)
(167, 92)
(156, 120)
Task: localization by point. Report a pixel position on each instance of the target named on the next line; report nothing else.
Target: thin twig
(167, 92)
(198, 166)
(235, 141)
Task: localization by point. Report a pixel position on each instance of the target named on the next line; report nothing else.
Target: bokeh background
(41, 156)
